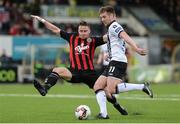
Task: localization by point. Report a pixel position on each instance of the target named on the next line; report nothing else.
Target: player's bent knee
(59, 70)
(111, 90)
(97, 87)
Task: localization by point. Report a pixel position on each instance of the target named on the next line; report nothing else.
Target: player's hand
(38, 18)
(105, 38)
(106, 57)
(141, 51)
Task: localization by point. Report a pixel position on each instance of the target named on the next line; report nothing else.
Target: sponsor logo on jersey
(80, 48)
(117, 30)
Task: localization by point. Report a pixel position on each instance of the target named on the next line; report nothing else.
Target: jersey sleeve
(65, 35)
(116, 29)
(99, 41)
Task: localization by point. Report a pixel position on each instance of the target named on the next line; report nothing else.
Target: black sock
(112, 100)
(51, 80)
(98, 91)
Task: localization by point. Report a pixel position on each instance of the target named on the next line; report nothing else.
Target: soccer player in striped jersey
(82, 47)
(111, 80)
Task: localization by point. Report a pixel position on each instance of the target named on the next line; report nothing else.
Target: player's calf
(117, 106)
(51, 80)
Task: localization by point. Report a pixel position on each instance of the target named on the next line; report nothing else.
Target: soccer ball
(82, 112)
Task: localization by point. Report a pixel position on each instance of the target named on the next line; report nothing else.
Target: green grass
(27, 106)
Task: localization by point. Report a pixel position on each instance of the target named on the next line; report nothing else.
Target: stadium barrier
(176, 64)
(33, 48)
(8, 74)
(151, 73)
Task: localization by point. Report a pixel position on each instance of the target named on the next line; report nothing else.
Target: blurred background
(28, 49)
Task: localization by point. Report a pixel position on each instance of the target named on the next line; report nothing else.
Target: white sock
(124, 87)
(101, 99)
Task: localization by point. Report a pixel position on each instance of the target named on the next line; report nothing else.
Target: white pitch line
(48, 96)
(130, 97)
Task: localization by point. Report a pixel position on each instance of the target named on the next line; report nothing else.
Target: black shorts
(87, 77)
(116, 69)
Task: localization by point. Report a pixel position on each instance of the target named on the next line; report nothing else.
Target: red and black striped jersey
(81, 51)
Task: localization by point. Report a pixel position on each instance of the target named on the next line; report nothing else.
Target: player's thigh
(100, 83)
(112, 82)
(63, 72)
(116, 73)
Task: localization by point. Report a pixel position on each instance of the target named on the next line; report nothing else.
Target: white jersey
(104, 50)
(115, 44)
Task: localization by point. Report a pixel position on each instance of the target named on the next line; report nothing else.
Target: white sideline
(129, 97)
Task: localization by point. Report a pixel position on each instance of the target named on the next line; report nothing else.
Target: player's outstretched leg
(117, 106)
(40, 88)
(49, 82)
(148, 90)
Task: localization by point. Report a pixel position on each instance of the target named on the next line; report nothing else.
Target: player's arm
(105, 38)
(100, 58)
(131, 42)
(48, 25)
(100, 40)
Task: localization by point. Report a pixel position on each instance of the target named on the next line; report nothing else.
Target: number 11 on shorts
(112, 68)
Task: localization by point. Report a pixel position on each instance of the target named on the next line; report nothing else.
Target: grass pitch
(22, 104)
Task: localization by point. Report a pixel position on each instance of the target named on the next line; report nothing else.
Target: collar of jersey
(110, 24)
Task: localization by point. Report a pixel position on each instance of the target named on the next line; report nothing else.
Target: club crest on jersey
(89, 39)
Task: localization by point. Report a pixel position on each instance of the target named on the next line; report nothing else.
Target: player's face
(107, 18)
(84, 32)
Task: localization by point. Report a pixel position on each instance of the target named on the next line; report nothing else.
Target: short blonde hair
(108, 9)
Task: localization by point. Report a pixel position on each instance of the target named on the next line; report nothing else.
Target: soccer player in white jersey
(110, 82)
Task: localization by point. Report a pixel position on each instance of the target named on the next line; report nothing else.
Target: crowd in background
(169, 10)
(15, 19)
